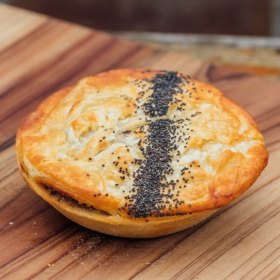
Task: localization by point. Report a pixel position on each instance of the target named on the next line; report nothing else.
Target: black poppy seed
(150, 181)
(165, 85)
(160, 142)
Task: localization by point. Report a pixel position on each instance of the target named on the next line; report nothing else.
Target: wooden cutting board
(39, 55)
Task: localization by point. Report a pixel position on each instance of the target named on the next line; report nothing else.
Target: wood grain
(39, 55)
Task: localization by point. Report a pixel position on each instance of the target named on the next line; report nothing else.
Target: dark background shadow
(237, 17)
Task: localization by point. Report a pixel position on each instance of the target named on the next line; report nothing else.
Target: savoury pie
(139, 153)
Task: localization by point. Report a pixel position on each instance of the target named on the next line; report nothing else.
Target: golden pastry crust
(141, 145)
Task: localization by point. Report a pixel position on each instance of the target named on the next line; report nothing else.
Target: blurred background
(244, 34)
(236, 17)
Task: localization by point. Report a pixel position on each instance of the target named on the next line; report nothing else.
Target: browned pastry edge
(116, 225)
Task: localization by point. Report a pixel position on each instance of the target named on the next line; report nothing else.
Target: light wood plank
(16, 24)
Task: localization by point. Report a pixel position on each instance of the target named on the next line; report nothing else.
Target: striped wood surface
(39, 55)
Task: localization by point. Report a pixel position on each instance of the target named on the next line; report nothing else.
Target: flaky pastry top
(140, 144)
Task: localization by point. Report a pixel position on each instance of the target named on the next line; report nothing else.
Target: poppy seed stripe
(150, 180)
